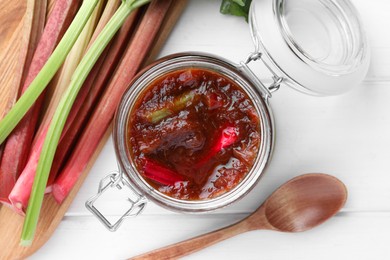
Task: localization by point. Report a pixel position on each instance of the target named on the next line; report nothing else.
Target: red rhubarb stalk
(104, 112)
(60, 83)
(58, 87)
(160, 173)
(18, 144)
(225, 138)
(20, 194)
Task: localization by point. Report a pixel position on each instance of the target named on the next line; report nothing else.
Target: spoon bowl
(305, 202)
(300, 204)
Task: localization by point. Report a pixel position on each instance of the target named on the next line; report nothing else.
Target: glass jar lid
(317, 46)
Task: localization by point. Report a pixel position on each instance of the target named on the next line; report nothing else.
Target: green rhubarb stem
(9, 122)
(177, 105)
(61, 114)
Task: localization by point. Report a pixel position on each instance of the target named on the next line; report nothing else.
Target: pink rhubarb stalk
(84, 103)
(20, 194)
(160, 173)
(225, 138)
(17, 147)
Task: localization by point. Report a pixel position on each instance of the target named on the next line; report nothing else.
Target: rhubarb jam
(193, 134)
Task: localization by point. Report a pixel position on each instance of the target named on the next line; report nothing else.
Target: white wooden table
(347, 136)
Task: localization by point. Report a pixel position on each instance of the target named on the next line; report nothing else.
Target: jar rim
(176, 62)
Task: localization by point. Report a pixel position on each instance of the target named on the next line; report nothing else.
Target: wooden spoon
(298, 205)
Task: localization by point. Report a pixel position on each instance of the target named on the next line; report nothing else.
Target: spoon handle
(194, 244)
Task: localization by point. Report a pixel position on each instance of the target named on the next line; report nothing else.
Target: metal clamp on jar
(317, 47)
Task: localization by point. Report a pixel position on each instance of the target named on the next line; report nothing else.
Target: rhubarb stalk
(103, 114)
(224, 139)
(21, 192)
(159, 173)
(84, 103)
(61, 81)
(172, 107)
(61, 114)
(16, 150)
(13, 117)
(19, 142)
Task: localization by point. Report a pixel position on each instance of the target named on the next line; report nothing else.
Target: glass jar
(315, 46)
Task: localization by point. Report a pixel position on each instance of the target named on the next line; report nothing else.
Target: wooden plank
(13, 49)
(19, 34)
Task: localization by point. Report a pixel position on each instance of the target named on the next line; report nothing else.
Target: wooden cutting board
(12, 51)
(52, 213)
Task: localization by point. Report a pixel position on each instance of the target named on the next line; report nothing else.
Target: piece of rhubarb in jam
(157, 172)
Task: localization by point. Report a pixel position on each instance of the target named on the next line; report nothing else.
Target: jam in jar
(193, 134)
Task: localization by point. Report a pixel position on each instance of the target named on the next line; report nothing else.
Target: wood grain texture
(52, 213)
(9, 24)
(34, 22)
(13, 161)
(12, 49)
(19, 34)
(18, 144)
(50, 5)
